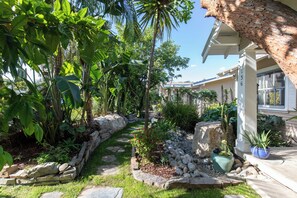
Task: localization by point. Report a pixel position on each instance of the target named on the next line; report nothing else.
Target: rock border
(52, 173)
(181, 182)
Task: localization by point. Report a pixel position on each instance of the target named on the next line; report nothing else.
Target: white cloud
(222, 68)
(193, 65)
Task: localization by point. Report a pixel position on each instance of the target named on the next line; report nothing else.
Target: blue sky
(191, 38)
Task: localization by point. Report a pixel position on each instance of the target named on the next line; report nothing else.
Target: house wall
(227, 83)
(291, 103)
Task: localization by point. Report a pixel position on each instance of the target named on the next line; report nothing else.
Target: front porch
(281, 167)
(282, 164)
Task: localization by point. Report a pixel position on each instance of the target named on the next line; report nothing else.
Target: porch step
(269, 188)
(280, 166)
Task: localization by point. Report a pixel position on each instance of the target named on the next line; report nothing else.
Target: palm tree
(161, 15)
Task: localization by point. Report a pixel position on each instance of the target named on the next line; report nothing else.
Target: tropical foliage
(61, 64)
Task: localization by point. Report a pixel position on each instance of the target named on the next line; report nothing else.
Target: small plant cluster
(223, 150)
(60, 153)
(183, 115)
(275, 125)
(147, 144)
(260, 140)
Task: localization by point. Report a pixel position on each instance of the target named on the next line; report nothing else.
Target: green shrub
(183, 115)
(275, 125)
(212, 113)
(61, 153)
(147, 144)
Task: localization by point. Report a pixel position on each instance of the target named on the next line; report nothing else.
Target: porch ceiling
(222, 41)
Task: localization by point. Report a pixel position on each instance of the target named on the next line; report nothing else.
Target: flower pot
(222, 164)
(260, 153)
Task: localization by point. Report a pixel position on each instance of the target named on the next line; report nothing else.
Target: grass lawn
(132, 188)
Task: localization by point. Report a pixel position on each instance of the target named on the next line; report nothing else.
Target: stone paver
(101, 192)
(109, 158)
(108, 170)
(123, 140)
(54, 194)
(129, 135)
(116, 149)
(233, 196)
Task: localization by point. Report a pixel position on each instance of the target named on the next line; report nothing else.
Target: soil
(159, 170)
(23, 149)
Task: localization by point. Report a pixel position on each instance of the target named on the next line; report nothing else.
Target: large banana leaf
(67, 86)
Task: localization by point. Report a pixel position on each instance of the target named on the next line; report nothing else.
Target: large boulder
(208, 136)
(110, 123)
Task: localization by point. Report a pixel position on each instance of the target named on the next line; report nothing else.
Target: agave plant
(261, 140)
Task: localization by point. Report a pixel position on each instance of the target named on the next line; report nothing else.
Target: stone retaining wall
(181, 182)
(53, 173)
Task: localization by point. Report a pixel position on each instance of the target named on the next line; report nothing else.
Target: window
(271, 89)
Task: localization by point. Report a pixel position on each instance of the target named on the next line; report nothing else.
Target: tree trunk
(149, 73)
(269, 24)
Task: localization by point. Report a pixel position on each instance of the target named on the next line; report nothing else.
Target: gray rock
(185, 169)
(67, 177)
(178, 171)
(43, 169)
(206, 161)
(110, 123)
(238, 170)
(46, 178)
(55, 194)
(123, 140)
(177, 183)
(25, 181)
(196, 173)
(20, 174)
(7, 170)
(63, 167)
(109, 158)
(191, 166)
(70, 171)
(187, 175)
(108, 170)
(248, 172)
(207, 136)
(234, 196)
(7, 181)
(101, 192)
(172, 163)
(186, 159)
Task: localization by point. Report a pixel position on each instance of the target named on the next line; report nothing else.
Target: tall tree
(161, 15)
(270, 24)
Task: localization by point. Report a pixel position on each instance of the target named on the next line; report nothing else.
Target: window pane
(261, 97)
(279, 80)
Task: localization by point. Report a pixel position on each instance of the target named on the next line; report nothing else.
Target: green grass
(132, 188)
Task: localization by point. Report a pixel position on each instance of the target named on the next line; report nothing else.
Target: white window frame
(274, 108)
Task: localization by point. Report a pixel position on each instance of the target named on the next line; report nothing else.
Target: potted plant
(222, 158)
(259, 144)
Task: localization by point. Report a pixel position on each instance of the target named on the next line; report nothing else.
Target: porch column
(246, 99)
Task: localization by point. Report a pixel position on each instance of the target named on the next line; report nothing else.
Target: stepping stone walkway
(123, 140)
(116, 149)
(127, 135)
(108, 170)
(101, 192)
(54, 194)
(109, 158)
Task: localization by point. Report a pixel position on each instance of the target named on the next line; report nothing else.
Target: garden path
(92, 178)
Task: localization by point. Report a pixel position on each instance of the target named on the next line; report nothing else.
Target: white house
(259, 80)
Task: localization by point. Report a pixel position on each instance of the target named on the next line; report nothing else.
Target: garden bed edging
(51, 173)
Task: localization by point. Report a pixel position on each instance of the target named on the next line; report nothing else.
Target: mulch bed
(159, 170)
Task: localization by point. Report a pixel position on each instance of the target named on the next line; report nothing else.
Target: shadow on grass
(6, 196)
